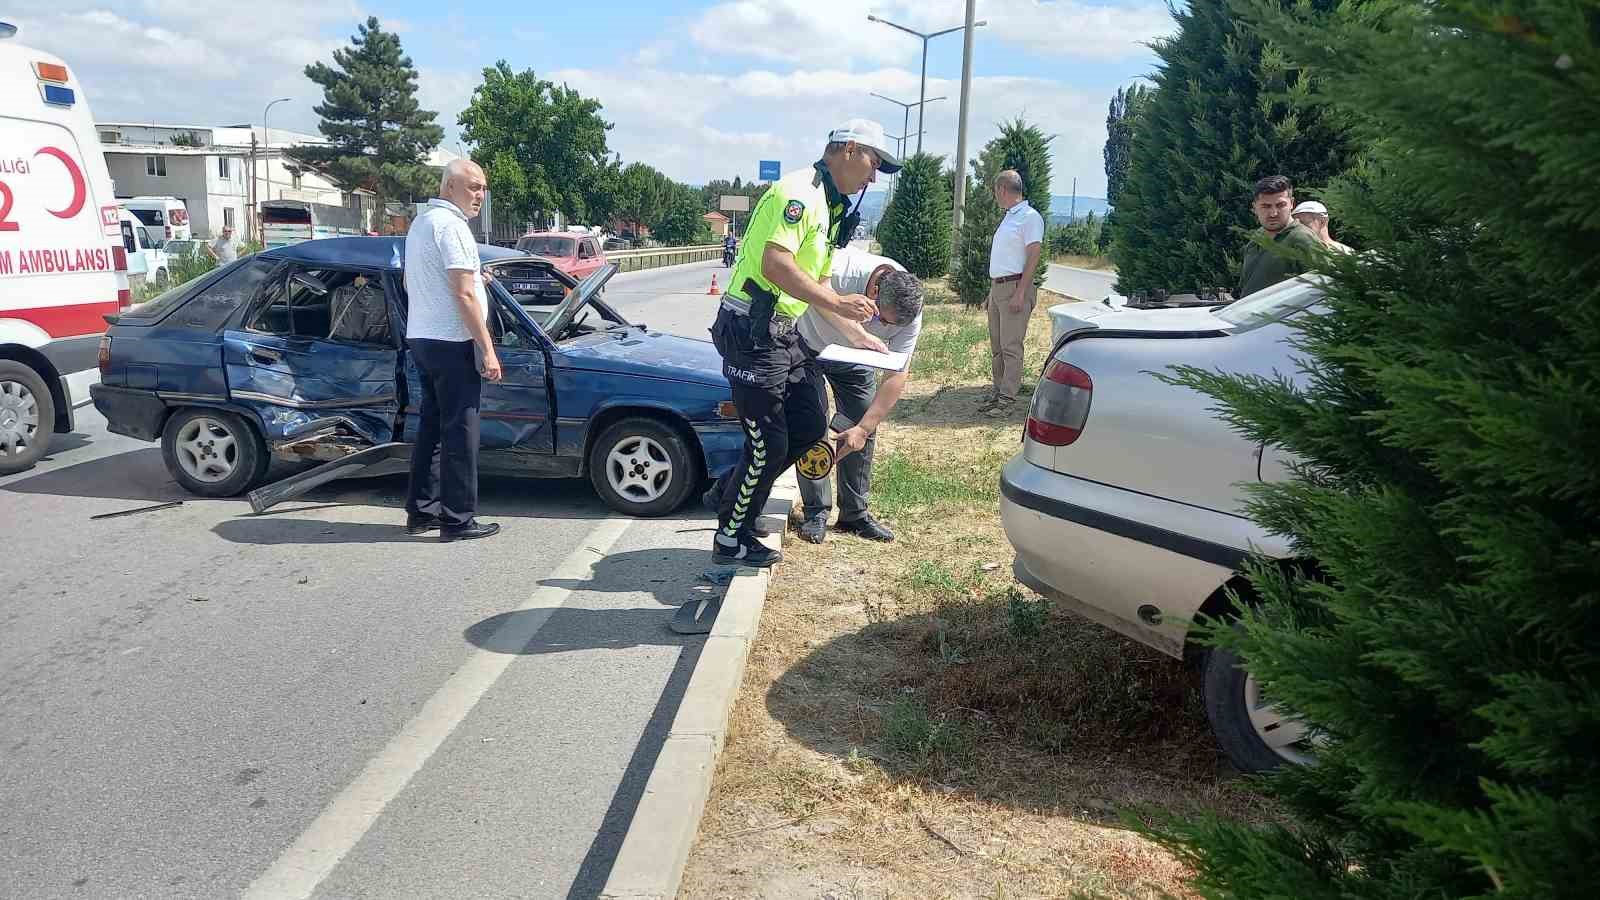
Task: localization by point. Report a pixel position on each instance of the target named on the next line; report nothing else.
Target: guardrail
(655, 257)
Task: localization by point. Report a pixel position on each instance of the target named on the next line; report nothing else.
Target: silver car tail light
(1060, 405)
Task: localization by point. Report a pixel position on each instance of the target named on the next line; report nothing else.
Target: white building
(218, 172)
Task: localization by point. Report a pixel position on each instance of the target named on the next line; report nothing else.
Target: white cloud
(719, 126)
(836, 32)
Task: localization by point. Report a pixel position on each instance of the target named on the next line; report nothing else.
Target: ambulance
(63, 265)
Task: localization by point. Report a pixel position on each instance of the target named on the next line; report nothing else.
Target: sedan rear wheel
(213, 453)
(1255, 733)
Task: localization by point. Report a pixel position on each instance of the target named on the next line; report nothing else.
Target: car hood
(648, 353)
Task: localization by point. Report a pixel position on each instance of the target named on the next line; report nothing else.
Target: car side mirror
(310, 283)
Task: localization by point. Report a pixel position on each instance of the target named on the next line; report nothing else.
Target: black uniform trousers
(782, 403)
(444, 455)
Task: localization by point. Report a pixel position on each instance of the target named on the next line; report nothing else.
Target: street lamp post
(906, 123)
(926, 37)
(266, 142)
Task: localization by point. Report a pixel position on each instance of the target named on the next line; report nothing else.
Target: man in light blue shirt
(447, 335)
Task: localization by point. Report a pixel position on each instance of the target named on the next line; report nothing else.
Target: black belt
(1007, 279)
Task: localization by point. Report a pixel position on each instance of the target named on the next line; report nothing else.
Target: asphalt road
(1079, 284)
(673, 299)
(199, 702)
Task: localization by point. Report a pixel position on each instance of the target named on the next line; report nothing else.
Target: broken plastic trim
(384, 459)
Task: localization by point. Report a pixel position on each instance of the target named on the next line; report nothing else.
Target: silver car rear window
(1271, 304)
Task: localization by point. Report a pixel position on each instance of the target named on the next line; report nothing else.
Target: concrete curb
(650, 864)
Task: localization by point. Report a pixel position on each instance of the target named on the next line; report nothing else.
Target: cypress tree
(915, 230)
(1228, 109)
(1122, 117)
(379, 137)
(1448, 646)
(1026, 149)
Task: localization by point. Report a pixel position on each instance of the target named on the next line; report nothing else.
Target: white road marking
(303, 866)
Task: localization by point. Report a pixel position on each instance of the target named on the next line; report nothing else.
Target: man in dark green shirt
(1292, 243)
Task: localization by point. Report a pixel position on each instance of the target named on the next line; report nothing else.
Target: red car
(575, 254)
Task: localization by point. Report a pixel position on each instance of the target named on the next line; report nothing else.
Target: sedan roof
(367, 252)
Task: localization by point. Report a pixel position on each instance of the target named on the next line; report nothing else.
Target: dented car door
(316, 352)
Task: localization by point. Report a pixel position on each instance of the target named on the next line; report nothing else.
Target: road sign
(770, 170)
(733, 203)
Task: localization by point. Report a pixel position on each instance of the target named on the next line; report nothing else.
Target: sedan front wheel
(643, 467)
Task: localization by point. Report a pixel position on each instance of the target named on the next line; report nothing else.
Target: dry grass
(1102, 263)
(913, 724)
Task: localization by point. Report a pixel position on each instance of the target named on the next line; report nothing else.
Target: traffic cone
(714, 291)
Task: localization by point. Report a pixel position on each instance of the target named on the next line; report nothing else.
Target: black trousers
(444, 455)
(782, 402)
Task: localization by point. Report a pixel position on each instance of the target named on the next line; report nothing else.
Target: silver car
(1125, 504)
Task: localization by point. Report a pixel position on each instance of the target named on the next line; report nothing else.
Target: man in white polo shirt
(1013, 258)
(857, 394)
(447, 334)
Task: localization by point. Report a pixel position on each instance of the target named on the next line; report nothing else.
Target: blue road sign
(770, 170)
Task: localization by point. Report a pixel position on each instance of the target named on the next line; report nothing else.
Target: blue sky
(699, 90)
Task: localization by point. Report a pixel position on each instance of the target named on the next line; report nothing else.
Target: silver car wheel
(207, 450)
(639, 469)
(1283, 734)
(19, 418)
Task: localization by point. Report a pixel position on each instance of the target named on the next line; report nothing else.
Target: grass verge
(914, 724)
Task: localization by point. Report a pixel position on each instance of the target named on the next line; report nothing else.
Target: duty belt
(763, 309)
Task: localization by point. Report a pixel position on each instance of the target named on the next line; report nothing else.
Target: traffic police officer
(782, 267)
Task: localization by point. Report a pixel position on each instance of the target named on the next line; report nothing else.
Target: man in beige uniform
(1013, 258)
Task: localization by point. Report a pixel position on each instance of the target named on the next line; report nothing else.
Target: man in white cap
(781, 270)
(1314, 216)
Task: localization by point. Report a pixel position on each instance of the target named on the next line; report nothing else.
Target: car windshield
(541, 245)
(1271, 304)
(587, 289)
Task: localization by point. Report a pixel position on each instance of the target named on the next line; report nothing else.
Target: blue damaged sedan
(297, 354)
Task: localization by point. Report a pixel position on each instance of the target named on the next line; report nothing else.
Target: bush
(1450, 650)
(915, 230)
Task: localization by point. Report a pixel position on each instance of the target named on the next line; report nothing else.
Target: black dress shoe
(866, 527)
(814, 529)
(421, 524)
(470, 531)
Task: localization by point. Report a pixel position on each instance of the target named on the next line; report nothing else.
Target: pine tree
(1227, 110)
(1449, 646)
(379, 138)
(1026, 149)
(915, 230)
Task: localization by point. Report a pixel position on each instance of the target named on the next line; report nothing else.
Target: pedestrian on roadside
(1314, 216)
(779, 273)
(1013, 259)
(1281, 248)
(224, 249)
(447, 332)
(858, 395)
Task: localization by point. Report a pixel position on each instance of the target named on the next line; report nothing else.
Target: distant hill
(1061, 208)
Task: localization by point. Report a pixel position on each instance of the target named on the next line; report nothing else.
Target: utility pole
(1073, 216)
(961, 129)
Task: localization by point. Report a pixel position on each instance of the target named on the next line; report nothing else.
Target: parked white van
(63, 267)
(164, 218)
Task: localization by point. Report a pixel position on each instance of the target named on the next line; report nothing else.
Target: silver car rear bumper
(1138, 564)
